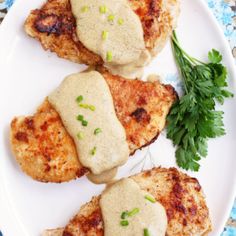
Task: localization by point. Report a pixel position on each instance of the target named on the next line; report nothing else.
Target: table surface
(225, 13)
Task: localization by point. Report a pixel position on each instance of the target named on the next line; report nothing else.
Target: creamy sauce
(126, 195)
(121, 36)
(131, 70)
(108, 148)
(106, 177)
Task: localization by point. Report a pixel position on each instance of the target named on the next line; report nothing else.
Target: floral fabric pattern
(4, 6)
(225, 13)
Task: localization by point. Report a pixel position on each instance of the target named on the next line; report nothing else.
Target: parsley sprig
(193, 118)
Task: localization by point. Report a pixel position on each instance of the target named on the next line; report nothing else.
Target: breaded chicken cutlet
(55, 27)
(47, 153)
(180, 195)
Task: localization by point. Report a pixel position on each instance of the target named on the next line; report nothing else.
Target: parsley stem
(193, 118)
(176, 42)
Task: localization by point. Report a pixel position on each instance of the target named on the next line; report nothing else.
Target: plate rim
(9, 209)
(232, 66)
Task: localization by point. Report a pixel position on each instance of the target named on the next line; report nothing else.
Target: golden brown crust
(53, 232)
(54, 26)
(46, 152)
(58, 33)
(141, 107)
(43, 147)
(180, 195)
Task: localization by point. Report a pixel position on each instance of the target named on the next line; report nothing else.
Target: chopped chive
(84, 105)
(84, 122)
(123, 215)
(124, 223)
(91, 107)
(103, 9)
(146, 232)
(150, 199)
(133, 212)
(80, 135)
(104, 34)
(111, 17)
(120, 21)
(79, 99)
(84, 9)
(97, 131)
(109, 56)
(87, 106)
(93, 151)
(80, 117)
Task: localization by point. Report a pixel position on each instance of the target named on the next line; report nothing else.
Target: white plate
(28, 74)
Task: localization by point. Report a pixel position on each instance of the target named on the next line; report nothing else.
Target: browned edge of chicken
(45, 150)
(55, 27)
(180, 194)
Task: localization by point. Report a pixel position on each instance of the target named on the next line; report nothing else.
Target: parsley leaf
(214, 56)
(193, 118)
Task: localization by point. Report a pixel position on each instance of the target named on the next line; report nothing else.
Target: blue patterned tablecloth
(225, 12)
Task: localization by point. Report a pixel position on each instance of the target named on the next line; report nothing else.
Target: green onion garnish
(123, 215)
(146, 232)
(104, 35)
(79, 99)
(84, 9)
(80, 135)
(80, 117)
(93, 151)
(109, 56)
(150, 199)
(87, 106)
(124, 223)
(91, 107)
(84, 105)
(120, 21)
(103, 9)
(97, 131)
(133, 212)
(84, 122)
(111, 17)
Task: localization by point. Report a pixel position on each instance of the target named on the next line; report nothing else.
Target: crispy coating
(181, 196)
(141, 107)
(53, 232)
(43, 147)
(54, 26)
(47, 153)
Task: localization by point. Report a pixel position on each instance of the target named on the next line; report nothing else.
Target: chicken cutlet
(47, 153)
(55, 27)
(180, 195)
